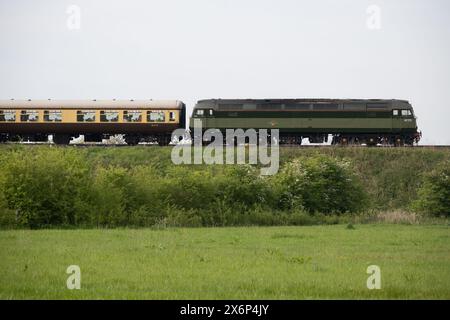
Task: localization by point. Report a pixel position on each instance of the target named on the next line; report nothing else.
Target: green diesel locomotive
(346, 121)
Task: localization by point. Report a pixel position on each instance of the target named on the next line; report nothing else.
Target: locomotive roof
(91, 104)
(380, 103)
(304, 100)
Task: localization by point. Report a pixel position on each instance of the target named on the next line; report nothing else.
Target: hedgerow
(64, 187)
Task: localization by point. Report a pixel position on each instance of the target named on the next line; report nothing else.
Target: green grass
(314, 262)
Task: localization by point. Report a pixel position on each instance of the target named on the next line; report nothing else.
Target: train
(344, 121)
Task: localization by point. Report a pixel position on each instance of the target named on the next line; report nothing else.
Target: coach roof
(91, 104)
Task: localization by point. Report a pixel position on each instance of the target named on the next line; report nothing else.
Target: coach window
(155, 116)
(132, 116)
(172, 116)
(109, 116)
(8, 115)
(29, 115)
(52, 116)
(395, 112)
(85, 116)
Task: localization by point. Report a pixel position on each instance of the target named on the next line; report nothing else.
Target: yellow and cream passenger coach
(137, 120)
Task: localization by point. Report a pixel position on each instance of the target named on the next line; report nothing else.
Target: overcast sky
(197, 49)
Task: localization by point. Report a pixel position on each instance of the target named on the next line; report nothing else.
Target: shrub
(7, 216)
(319, 184)
(124, 197)
(188, 188)
(44, 187)
(110, 201)
(434, 193)
(242, 185)
(210, 188)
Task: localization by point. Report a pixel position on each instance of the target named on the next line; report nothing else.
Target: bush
(243, 185)
(124, 197)
(45, 187)
(7, 216)
(434, 193)
(319, 184)
(187, 188)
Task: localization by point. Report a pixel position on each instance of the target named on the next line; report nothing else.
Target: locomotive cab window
(109, 116)
(395, 112)
(200, 112)
(52, 116)
(207, 112)
(85, 116)
(132, 116)
(7, 115)
(155, 116)
(406, 113)
(29, 115)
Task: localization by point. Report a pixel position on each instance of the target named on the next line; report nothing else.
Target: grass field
(312, 262)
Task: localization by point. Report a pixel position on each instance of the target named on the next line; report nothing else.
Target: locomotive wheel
(343, 141)
(399, 141)
(371, 142)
